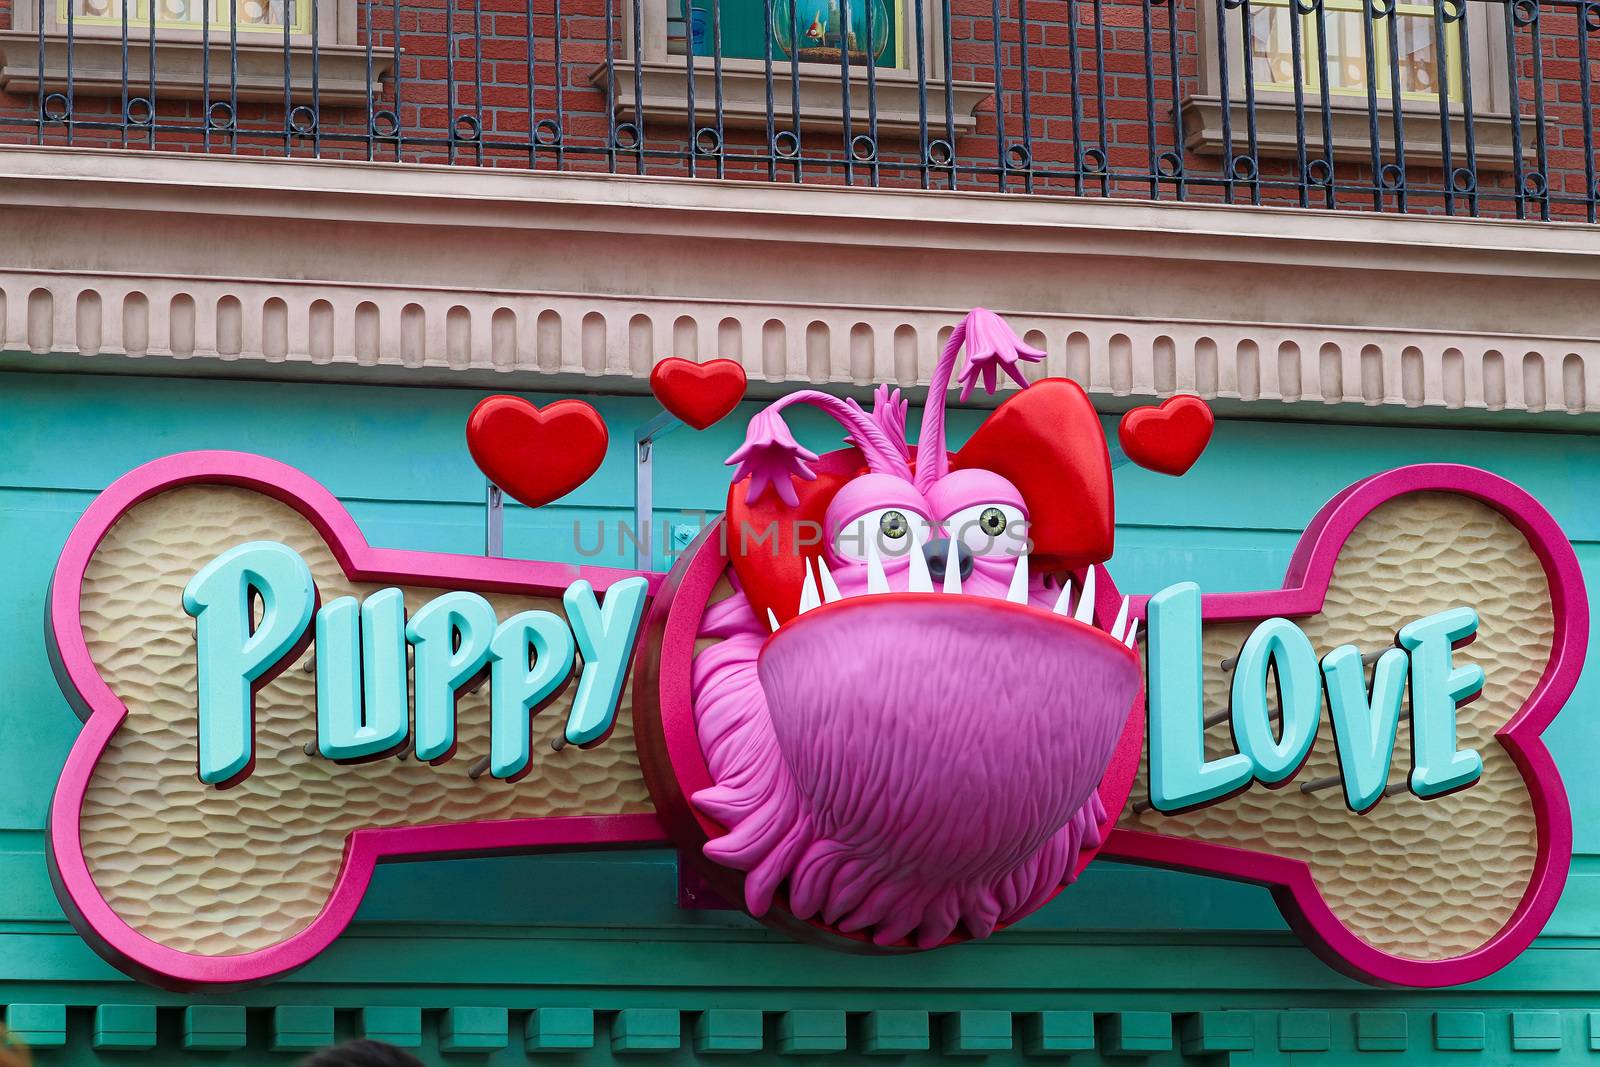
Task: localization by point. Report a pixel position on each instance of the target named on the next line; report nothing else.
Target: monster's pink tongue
(950, 736)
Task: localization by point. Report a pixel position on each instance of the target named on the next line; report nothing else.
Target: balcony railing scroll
(1479, 108)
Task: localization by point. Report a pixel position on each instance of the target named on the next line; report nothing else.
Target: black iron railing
(1457, 107)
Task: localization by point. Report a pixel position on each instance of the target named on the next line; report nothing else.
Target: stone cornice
(539, 280)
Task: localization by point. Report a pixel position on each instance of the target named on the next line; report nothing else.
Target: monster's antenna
(992, 346)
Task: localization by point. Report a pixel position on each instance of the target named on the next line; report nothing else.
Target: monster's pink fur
(897, 862)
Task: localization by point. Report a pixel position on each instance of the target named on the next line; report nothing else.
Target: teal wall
(1180, 968)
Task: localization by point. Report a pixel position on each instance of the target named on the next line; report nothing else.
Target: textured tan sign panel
(1425, 879)
(217, 872)
(223, 871)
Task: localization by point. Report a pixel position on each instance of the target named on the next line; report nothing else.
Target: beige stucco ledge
(659, 96)
(501, 278)
(250, 72)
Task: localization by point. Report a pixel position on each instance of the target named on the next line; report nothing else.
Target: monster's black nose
(938, 554)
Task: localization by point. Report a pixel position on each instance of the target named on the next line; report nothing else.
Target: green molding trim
(811, 1031)
(474, 1029)
(125, 1027)
(887, 1033)
(1459, 1031)
(1304, 1031)
(559, 1030)
(1536, 1031)
(968, 1033)
(1218, 1031)
(214, 1027)
(400, 1027)
(1136, 1033)
(1055, 1033)
(646, 1030)
(301, 1027)
(1382, 1031)
(728, 1030)
(38, 1025)
(263, 1034)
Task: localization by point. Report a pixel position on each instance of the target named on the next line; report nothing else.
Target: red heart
(698, 393)
(1168, 438)
(1046, 439)
(535, 455)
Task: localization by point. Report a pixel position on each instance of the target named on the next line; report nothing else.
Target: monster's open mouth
(1071, 597)
(903, 763)
(905, 727)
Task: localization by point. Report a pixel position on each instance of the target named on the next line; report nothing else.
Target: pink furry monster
(898, 762)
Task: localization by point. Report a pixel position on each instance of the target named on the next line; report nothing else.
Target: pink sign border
(103, 713)
(1303, 592)
(1304, 588)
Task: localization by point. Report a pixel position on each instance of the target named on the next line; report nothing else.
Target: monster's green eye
(887, 532)
(991, 531)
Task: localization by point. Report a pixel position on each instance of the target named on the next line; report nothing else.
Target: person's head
(361, 1053)
(13, 1053)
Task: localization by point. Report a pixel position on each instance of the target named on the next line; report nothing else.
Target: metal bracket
(494, 521)
(644, 439)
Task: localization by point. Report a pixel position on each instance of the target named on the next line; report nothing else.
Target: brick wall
(1119, 93)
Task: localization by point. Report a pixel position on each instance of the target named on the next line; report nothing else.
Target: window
(249, 16)
(877, 27)
(1421, 66)
(181, 40)
(677, 33)
(1417, 50)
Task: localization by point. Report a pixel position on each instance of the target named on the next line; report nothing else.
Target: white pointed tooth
(808, 592)
(918, 580)
(952, 567)
(1122, 620)
(1018, 592)
(1064, 601)
(1133, 633)
(830, 588)
(772, 620)
(877, 581)
(1085, 611)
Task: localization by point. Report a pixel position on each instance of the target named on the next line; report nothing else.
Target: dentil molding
(410, 273)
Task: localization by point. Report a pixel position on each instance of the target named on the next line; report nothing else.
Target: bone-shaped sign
(188, 885)
(1413, 892)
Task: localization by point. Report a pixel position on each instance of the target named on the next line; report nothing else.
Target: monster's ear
(1047, 440)
(768, 540)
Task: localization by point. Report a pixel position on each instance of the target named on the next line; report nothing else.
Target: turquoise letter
(1284, 646)
(605, 638)
(1180, 776)
(1437, 687)
(451, 634)
(234, 656)
(1364, 725)
(361, 699)
(517, 689)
